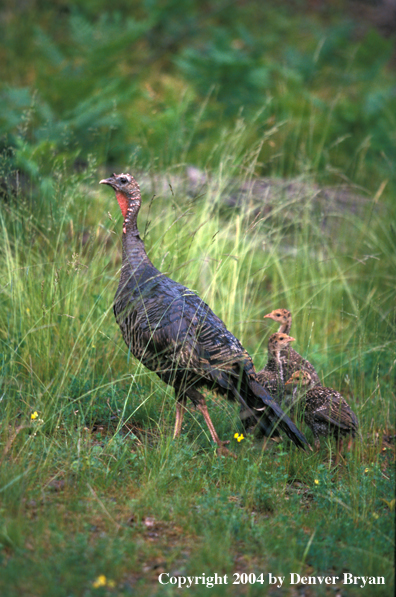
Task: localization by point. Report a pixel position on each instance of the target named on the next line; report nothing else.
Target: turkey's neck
(278, 361)
(284, 328)
(133, 250)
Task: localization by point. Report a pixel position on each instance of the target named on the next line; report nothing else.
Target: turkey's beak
(110, 181)
(267, 316)
(291, 339)
(288, 382)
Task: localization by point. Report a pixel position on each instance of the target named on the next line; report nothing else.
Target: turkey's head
(278, 342)
(299, 378)
(283, 317)
(127, 193)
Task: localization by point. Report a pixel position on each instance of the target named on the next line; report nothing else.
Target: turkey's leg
(201, 405)
(180, 408)
(338, 449)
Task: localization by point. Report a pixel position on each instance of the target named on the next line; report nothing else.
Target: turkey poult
(325, 411)
(271, 377)
(292, 361)
(278, 343)
(173, 332)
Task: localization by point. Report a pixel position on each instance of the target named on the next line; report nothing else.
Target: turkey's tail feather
(252, 396)
(263, 421)
(276, 416)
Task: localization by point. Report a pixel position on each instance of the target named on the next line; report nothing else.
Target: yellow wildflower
(34, 415)
(316, 481)
(101, 581)
(238, 437)
(366, 470)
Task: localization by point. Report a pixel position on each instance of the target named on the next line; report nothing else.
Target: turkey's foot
(223, 451)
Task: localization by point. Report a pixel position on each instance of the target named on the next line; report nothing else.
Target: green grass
(95, 485)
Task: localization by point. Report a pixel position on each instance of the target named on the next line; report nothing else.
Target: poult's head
(299, 378)
(280, 315)
(278, 342)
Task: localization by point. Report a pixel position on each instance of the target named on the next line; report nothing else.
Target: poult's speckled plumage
(271, 377)
(174, 333)
(278, 343)
(291, 359)
(325, 411)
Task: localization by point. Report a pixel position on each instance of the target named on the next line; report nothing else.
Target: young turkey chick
(326, 412)
(292, 361)
(274, 369)
(283, 317)
(271, 377)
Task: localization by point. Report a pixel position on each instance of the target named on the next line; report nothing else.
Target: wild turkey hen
(291, 360)
(174, 333)
(325, 411)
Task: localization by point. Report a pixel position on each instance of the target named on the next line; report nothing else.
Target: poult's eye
(277, 315)
(123, 180)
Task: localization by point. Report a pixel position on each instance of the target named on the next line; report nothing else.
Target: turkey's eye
(277, 315)
(123, 180)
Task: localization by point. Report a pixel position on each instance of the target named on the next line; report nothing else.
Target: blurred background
(157, 81)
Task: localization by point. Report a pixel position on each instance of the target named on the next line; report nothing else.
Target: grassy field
(95, 497)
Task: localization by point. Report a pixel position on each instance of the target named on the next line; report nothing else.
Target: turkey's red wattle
(123, 203)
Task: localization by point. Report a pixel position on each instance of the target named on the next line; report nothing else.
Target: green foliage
(131, 81)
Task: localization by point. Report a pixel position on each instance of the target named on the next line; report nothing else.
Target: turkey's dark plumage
(174, 333)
